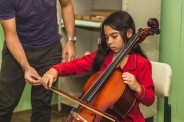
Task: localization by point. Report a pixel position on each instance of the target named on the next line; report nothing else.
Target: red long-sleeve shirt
(136, 65)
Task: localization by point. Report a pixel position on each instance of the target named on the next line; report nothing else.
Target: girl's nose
(110, 40)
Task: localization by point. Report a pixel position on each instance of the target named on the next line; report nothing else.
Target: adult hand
(131, 81)
(49, 78)
(69, 51)
(31, 76)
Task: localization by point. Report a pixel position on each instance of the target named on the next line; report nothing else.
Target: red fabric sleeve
(75, 67)
(147, 95)
(141, 95)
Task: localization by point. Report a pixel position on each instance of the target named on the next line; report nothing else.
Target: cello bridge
(78, 117)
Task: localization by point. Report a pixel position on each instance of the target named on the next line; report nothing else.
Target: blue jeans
(12, 82)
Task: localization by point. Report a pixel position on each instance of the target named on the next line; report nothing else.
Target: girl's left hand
(130, 80)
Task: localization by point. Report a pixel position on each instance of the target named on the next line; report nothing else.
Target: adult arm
(16, 49)
(69, 50)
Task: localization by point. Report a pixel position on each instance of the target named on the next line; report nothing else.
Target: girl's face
(113, 39)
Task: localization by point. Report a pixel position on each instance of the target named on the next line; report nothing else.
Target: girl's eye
(114, 36)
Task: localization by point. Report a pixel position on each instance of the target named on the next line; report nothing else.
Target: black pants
(12, 82)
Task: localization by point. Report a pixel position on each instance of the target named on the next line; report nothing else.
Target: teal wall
(25, 99)
(172, 52)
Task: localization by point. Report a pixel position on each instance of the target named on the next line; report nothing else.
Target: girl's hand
(130, 80)
(49, 78)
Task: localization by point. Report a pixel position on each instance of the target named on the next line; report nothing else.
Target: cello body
(114, 98)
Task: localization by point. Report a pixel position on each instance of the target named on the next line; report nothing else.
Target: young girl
(116, 31)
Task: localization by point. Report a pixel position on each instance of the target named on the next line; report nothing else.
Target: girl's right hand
(49, 78)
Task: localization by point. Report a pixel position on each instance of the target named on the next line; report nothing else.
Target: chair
(161, 74)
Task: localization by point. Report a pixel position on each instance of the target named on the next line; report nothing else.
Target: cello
(95, 105)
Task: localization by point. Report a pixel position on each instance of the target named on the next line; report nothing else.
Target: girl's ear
(129, 33)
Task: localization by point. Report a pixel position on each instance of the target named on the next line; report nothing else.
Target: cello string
(100, 81)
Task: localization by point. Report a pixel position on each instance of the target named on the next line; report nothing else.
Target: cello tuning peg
(153, 23)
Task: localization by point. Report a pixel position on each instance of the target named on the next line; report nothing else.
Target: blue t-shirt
(36, 21)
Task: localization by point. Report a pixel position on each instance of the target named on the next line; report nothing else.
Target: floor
(56, 116)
